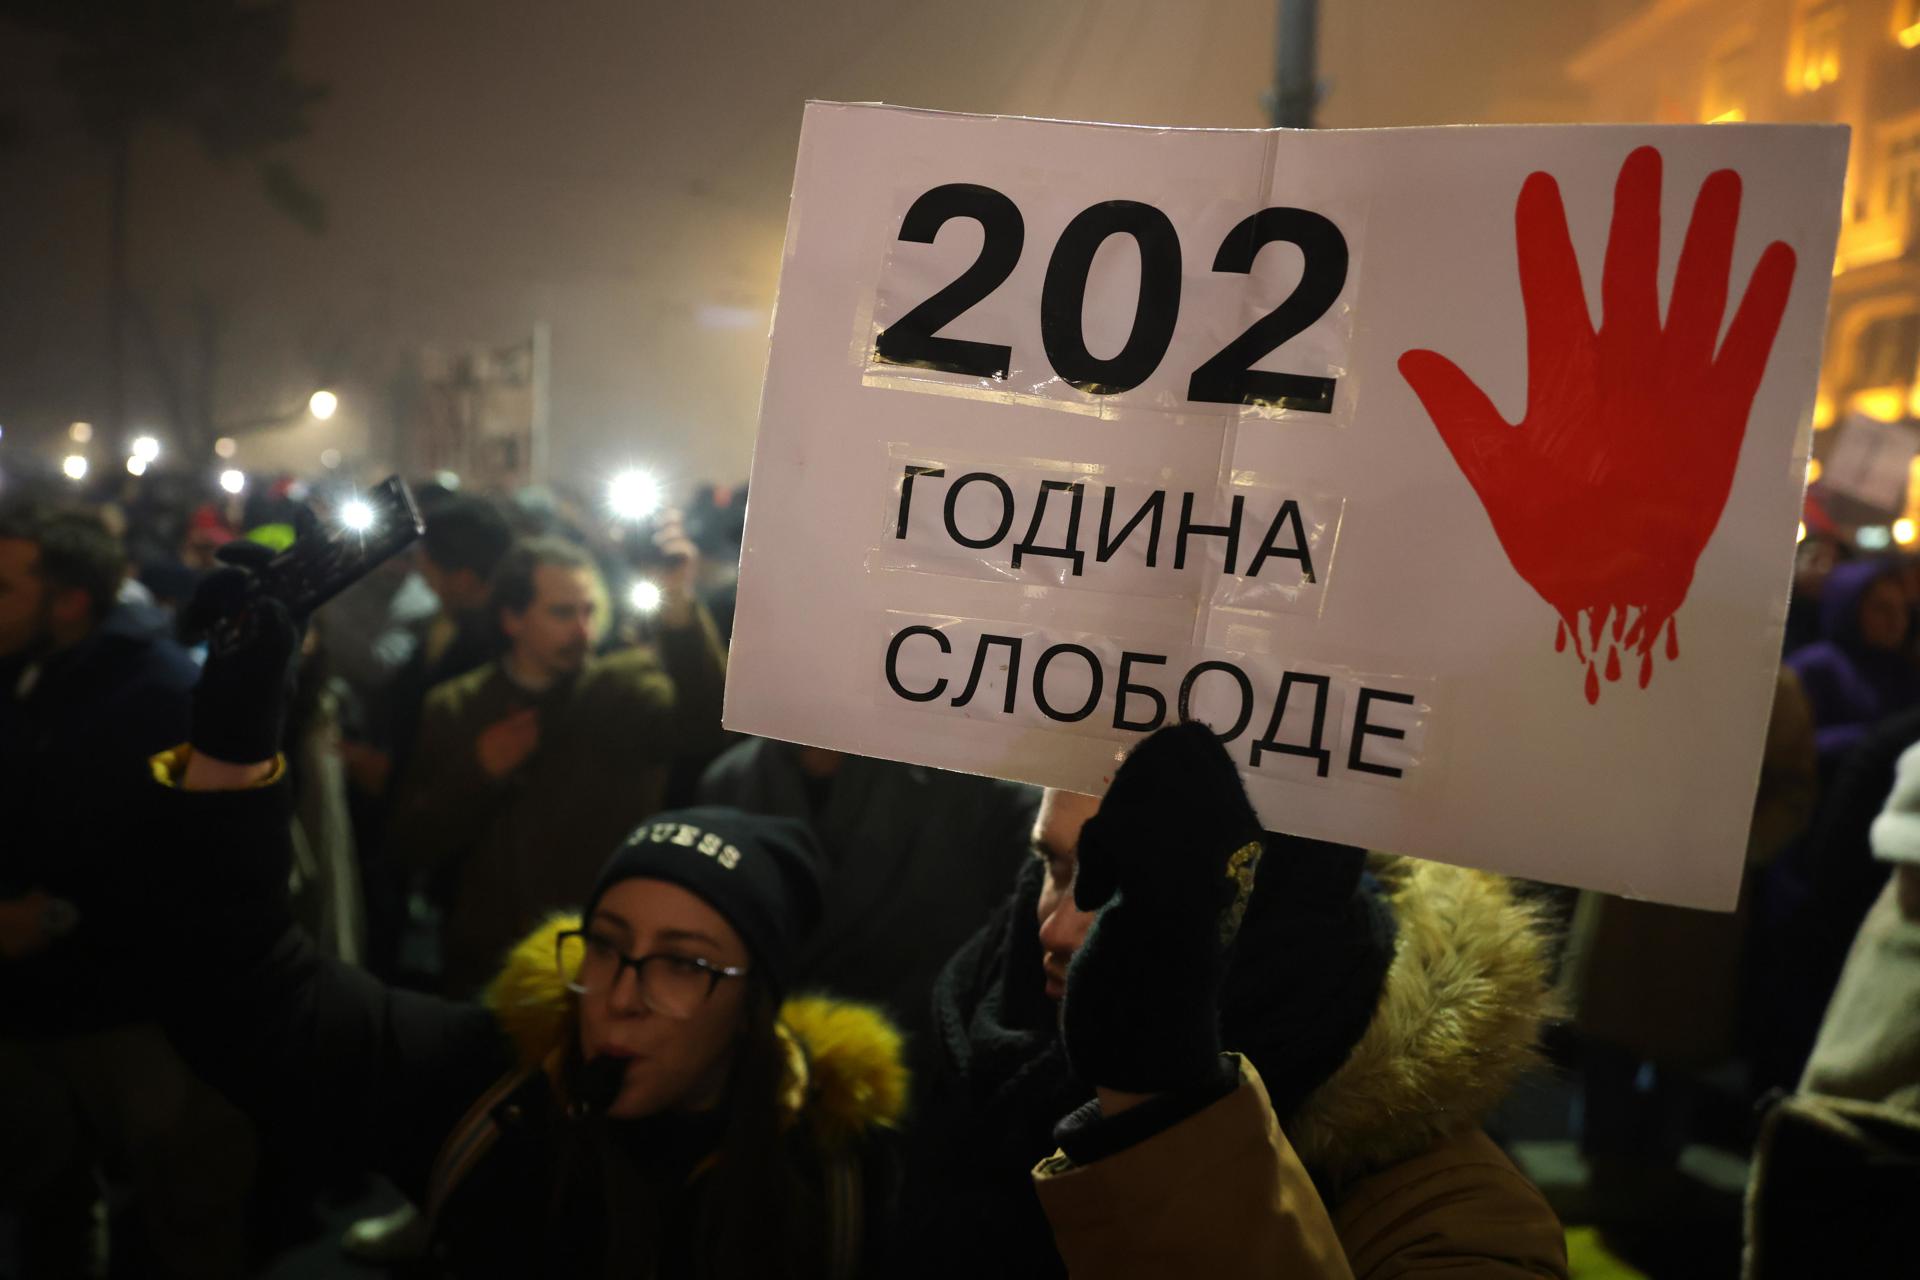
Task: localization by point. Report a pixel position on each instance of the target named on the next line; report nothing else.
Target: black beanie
(761, 873)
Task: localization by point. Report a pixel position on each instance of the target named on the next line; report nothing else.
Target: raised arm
(320, 1054)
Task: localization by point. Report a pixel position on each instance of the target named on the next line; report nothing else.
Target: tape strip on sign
(1451, 475)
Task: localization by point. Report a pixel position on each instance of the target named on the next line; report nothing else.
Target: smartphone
(369, 531)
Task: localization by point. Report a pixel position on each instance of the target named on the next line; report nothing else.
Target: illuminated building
(1856, 62)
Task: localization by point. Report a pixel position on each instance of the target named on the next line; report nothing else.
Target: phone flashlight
(633, 495)
(644, 596)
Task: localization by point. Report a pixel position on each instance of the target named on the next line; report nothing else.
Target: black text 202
(1227, 378)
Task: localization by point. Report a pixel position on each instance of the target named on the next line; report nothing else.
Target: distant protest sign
(1450, 475)
(1872, 461)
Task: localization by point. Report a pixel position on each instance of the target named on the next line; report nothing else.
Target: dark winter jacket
(1391, 1139)
(73, 752)
(398, 724)
(1850, 686)
(119, 695)
(463, 1105)
(520, 847)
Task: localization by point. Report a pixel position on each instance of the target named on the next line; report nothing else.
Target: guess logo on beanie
(688, 837)
(772, 895)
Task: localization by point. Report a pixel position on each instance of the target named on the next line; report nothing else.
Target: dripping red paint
(1604, 495)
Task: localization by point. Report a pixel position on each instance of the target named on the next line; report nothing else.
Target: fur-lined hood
(844, 1072)
(1458, 1022)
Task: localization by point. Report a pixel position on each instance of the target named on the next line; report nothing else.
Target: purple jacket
(1851, 687)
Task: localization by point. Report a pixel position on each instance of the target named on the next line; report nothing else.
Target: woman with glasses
(637, 1096)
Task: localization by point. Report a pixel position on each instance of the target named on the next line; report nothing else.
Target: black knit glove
(240, 703)
(1168, 862)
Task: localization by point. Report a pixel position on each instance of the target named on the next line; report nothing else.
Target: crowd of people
(461, 882)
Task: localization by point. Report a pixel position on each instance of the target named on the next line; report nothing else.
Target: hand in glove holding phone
(240, 704)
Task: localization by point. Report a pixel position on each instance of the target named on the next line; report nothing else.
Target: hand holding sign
(1073, 432)
(1605, 494)
(1166, 861)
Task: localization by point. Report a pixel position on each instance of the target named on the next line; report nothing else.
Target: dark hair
(513, 580)
(467, 533)
(762, 1218)
(77, 552)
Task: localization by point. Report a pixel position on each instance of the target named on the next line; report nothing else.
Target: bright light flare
(233, 481)
(1802, 535)
(75, 467)
(146, 448)
(136, 465)
(357, 515)
(633, 495)
(1883, 404)
(323, 404)
(1905, 531)
(644, 596)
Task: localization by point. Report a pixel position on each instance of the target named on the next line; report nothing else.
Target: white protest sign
(1446, 473)
(1872, 461)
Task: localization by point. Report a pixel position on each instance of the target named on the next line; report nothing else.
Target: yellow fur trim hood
(844, 1069)
(1459, 1021)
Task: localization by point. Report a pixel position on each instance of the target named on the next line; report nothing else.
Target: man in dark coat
(89, 689)
(530, 768)
(465, 541)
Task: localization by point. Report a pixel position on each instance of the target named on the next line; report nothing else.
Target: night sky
(621, 170)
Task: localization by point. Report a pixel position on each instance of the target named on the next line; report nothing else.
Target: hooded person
(1860, 672)
(1187, 1046)
(1833, 1160)
(637, 1095)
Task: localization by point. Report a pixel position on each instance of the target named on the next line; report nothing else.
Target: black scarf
(1002, 1083)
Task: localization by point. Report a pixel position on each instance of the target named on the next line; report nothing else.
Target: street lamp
(75, 467)
(146, 448)
(136, 465)
(323, 404)
(233, 481)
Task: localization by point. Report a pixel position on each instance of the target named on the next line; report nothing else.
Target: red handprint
(1605, 493)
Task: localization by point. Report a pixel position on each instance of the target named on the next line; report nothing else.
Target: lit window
(1814, 55)
(1887, 351)
(1900, 176)
(1728, 79)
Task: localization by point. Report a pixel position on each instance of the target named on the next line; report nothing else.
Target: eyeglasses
(674, 986)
